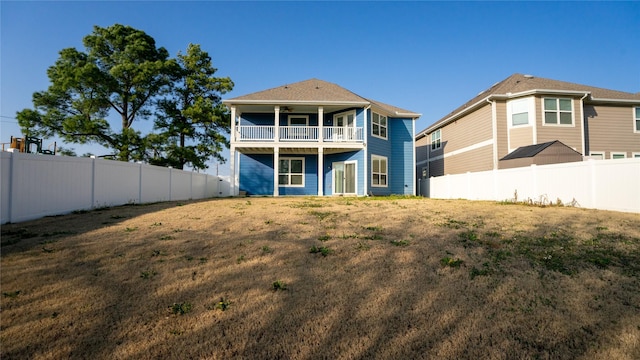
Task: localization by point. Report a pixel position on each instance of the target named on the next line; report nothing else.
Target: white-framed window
(425, 172)
(598, 155)
(291, 172)
(618, 155)
(519, 112)
(636, 155)
(379, 168)
(557, 111)
(636, 120)
(378, 125)
(298, 120)
(435, 139)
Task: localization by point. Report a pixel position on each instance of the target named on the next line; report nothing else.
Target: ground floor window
(379, 174)
(291, 172)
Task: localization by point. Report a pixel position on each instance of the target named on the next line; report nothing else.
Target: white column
(320, 124)
(320, 171)
(232, 171)
(276, 123)
(276, 169)
(233, 124)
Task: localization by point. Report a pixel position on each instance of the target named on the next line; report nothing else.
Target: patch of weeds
(248, 202)
(451, 262)
(484, 271)
(167, 237)
(240, 259)
(468, 235)
(308, 204)
(400, 242)
(177, 230)
(321, 214)
(373, 237)
(325, 251)
(130, 229)
(598, 259)
(10, 242)
(188, 257)
(363, 246)
(279, 285)
(266, 250)
(175, 332)
(118, 217)
(493, 234)
(148, 274)
(55, 314)
(156, 224)
(268, 222)
(324, 237)
(373, 228)
(203, 260)
(158, 253)
(350, 236)
(180, 308)
(11, 294)
(454, 224)
(223, 304)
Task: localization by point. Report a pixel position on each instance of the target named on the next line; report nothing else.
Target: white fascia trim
(614, 100)
(412, 116)
(463, 150)
(295, 102)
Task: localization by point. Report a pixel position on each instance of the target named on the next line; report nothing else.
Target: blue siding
(256, 174)
(348, 156)
(401, 162)
(310, 177)
(398, 148)
(256, 119)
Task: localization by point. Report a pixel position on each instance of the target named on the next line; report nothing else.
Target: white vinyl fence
(34, 186)
(596, 184)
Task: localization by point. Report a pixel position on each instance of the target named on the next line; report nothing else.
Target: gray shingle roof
(531, 150)
(315, 90)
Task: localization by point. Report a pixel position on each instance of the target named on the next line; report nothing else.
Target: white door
(344, 126)
(344, 178)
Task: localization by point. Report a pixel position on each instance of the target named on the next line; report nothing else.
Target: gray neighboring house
(524, 110)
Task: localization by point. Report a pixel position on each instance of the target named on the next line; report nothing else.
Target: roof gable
(308, 90)
(317, 91)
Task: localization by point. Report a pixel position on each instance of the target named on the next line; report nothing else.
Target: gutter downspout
(366, 153)
(584, 120)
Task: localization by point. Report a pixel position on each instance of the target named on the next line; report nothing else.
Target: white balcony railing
(299, 133)
(343, 134)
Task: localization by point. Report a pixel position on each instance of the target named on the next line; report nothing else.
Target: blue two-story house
(317, 138)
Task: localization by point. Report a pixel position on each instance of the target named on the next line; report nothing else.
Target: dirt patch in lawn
(323, 278)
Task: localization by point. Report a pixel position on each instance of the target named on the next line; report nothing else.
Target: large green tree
(191, 120)
(121, 71)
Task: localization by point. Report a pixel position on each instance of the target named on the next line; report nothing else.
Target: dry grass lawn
(322, 278)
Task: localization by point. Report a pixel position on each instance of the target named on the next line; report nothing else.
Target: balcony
(335, 134)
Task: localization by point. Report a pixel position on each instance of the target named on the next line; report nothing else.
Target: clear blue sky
(427, 57)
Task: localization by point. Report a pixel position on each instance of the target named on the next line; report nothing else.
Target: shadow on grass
(368, 298)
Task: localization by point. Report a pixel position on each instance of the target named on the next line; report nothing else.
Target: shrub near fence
(597, 184)
(34, 186)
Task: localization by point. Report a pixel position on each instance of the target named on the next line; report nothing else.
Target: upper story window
(378, 171)
(379, 125)
(519, 112)
(291, 172)
(558, 111)
(637, 119)
(435, 139)
(298, 120)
